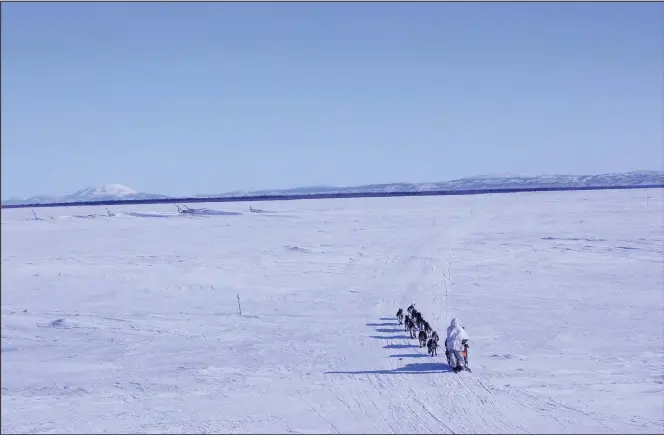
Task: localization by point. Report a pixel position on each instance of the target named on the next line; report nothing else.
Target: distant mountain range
(112, 192)
(636, 178)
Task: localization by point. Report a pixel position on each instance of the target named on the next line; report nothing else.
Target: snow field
(128, 323)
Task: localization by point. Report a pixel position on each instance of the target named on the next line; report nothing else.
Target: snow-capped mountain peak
(106, 192)
(114, 190)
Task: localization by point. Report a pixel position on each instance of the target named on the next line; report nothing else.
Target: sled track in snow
(423, 401)
(418, 393)
(129, 336)
(441, 401)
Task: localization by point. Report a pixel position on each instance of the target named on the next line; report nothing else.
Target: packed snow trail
(420, 393)
(129, 323)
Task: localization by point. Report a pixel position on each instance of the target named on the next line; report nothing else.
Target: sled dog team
(456, 342)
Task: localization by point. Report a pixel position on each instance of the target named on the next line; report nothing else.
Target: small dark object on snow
(187, 210)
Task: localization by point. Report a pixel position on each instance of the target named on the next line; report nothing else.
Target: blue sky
(186, 98)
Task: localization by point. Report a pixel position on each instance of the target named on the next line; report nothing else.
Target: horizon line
(277, 189)
(333, 195)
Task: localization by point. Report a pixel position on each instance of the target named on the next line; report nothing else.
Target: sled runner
(464, 353)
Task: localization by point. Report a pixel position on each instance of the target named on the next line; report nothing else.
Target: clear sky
(188, 98)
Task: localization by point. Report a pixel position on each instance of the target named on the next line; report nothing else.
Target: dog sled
(464, 354)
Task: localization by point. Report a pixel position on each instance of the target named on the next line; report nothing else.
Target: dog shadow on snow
(388, 330)
(408, 369)
(394, 331)
(394, 327)
(399, 346)
(412, 368)
(410, 355)
(390, 337)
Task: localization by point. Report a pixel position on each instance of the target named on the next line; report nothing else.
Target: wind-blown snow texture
(128, 322)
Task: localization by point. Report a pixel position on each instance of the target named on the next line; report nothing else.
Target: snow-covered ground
(129, 323)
